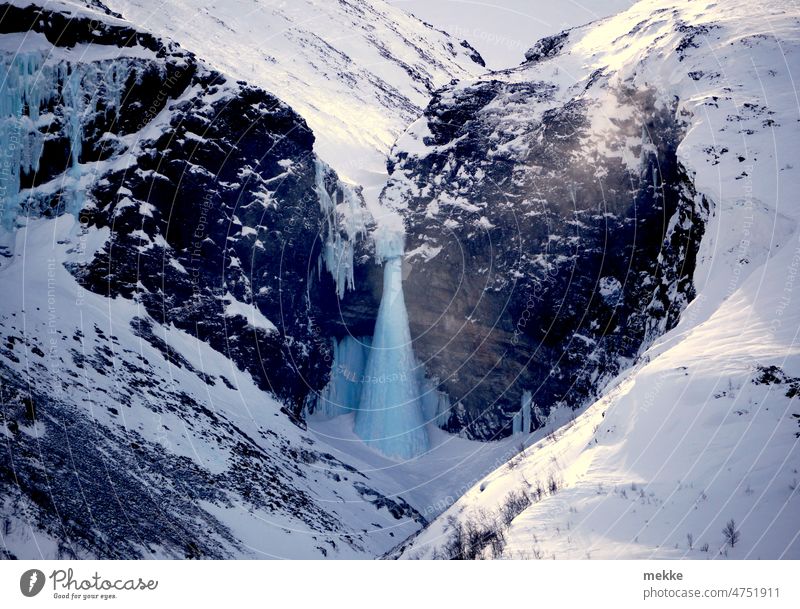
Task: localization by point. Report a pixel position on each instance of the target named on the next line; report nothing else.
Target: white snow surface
(685, 440)
(255, 318)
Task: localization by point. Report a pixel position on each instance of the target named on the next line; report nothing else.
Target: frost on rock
(42, 100)
(389, 417)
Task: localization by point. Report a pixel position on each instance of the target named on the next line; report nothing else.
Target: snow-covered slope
(704, 428)
(502, 30)
(358, 71)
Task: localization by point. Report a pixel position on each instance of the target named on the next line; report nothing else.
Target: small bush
(513, 505)
(731, 533)
(553, 484)
(538, 490)
(469, 540)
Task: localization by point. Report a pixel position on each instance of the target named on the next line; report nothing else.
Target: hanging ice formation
(523, 420)
(345, 219)
(34, 94)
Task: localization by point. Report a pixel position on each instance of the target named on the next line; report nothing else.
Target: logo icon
(31, 582)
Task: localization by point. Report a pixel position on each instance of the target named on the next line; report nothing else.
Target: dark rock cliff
(537, 262)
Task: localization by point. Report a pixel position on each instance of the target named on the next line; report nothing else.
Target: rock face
(551, 233)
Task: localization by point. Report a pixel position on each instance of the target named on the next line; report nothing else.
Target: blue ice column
(343, 391)
(389, 416)
(523, 420)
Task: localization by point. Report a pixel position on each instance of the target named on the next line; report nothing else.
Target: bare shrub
(731, 533)
(553, 484)
(513, 505)
(538, 490)
(469, 540)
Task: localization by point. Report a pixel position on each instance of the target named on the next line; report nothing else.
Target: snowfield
(703, 429)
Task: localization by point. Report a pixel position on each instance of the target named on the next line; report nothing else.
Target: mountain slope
(503, 30)
(358, 71)
(703, 429)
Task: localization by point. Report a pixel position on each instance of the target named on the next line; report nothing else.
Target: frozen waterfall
(389, 415)
(43, 98)
(380, 380)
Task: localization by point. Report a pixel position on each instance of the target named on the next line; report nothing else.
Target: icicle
(72, 94)
(344, 222)
(522, 421)
(527, 400)
(435, 403)
(25, 87)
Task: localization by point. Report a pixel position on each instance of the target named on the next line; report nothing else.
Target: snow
(677, 445)
(691, 436)
(504, 29)
(255, 318)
